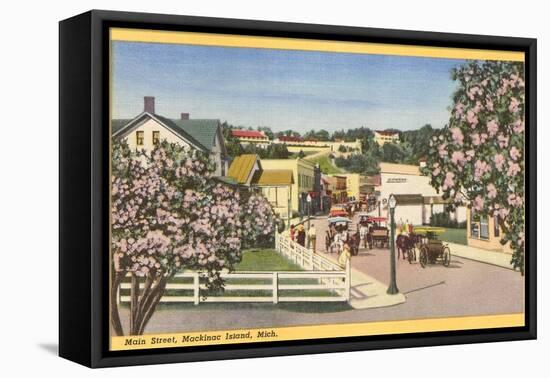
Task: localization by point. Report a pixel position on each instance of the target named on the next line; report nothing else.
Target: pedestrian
(344, 256)
(363, 231)
(410, 228)
(301, 236)
(312, 237)
(292, 232)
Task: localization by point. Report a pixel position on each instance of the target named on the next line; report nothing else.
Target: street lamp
(392, 289)
(308, 200)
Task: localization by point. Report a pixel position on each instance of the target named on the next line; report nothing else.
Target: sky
(282, 89)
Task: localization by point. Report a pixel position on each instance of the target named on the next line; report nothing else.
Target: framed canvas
(234, 188)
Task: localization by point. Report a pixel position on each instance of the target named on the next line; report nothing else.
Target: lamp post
(392, 289)
(308, 200)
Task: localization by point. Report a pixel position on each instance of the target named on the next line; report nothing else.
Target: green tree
(393, 153)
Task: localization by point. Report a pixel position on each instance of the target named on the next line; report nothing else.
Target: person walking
(312, 236)
(301, 236)
(292, 232)
(344, 256)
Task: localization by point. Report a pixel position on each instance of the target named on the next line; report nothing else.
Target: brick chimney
(184, 116)
(149, 104)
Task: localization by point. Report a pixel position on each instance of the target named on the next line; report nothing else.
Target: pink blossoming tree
(478, 158)
(168, 214)
(258, 221)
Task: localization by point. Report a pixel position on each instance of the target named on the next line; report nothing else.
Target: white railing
(302, 256)
(334, 282)
(308, 260)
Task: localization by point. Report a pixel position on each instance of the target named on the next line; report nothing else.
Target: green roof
(201, 132)
(117, 124)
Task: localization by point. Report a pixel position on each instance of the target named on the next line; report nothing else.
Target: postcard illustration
(267, 190)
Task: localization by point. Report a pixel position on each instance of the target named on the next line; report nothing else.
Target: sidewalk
(367, 292)
(501, 259)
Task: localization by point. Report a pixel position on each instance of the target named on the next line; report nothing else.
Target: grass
(326, 165)
(454, 235)
(265, 260)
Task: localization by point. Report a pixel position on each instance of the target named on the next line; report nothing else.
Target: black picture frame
(84, 179)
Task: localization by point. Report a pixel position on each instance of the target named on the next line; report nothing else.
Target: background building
(485, 232)
(304, 179)
(246, 137)
(417, 200)
(382, 137)
(148, 129)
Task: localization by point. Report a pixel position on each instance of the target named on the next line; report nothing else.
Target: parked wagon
(378, 235)
(432, 249)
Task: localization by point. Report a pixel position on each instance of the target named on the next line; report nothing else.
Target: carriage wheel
(446, 256)
(423, 258)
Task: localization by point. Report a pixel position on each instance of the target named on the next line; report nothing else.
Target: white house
(382, 137)
(417, 200)
(148, 129)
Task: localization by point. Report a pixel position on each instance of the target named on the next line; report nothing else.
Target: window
(479, 226)
(139, 138)
(497, 226)
(156, 137)
(484, 228)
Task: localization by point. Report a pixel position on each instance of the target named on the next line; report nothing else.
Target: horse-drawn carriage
(432, 249)
(343, 234)
(378, 234)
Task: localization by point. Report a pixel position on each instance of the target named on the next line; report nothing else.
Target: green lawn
(454, 235)
(264, 260)
(326, 166)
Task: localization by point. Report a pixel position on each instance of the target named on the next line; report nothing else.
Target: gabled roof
(203, 130)
(117, 124)
(166, 122)
(242, 166)
(273, 177)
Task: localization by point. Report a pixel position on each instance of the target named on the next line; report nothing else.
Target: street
(464, 288)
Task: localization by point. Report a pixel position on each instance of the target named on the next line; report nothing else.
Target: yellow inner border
(320, 331)
(333, 330)
(229, 40)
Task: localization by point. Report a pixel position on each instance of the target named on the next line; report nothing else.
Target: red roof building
(248, 134)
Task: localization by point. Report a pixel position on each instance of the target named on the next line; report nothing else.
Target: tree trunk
(143, 306)
(156, 295)
(134, 303)
(117, 278)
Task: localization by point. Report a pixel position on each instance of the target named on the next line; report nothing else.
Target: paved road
(465, 288)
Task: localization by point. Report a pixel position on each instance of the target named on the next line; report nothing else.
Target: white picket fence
(320, 274)
(332, 281)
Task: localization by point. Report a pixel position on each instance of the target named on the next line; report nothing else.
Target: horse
(407, 243)
(354, 241)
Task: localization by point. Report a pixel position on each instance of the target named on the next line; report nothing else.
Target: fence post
(275, 287)
(196, 289)
(348, 279)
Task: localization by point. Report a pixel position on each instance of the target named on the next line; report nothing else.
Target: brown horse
(406, 244)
